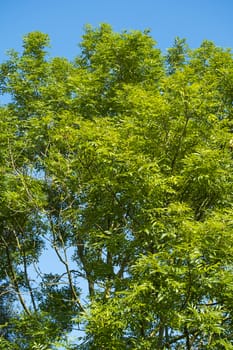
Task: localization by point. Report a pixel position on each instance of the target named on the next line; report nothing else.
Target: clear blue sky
(64, 20)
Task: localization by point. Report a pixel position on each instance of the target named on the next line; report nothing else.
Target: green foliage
(121, 164)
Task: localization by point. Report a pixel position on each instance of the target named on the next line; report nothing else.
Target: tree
(122, 160)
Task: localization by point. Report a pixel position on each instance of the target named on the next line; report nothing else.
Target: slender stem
(13, 277)
(188, 347)
(64, 261)
(28, 281)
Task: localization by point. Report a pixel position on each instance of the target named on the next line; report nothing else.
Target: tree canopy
(119, 165)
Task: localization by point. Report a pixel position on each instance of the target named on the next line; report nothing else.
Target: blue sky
(64, 20)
